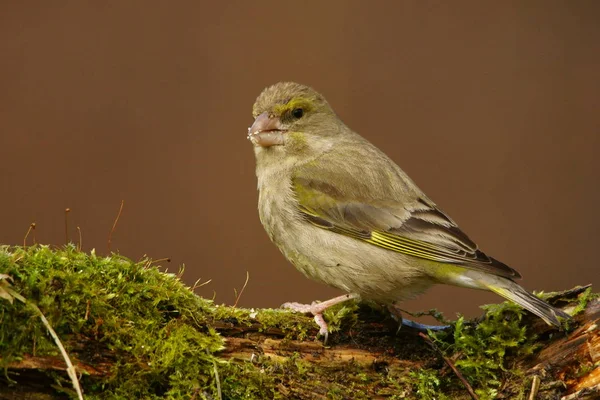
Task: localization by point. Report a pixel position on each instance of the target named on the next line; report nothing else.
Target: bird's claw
(323, 329)
(316, 311)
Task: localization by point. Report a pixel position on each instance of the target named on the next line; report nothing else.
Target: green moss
(132, 309)
(427, 384)
(584, 298)
(159, 331)
(485, 349)
(342, 315)
(164, 344)
(483, 354)
(245, 381)
(292, 325)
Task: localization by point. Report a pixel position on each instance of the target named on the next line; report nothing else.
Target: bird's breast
(276, 205)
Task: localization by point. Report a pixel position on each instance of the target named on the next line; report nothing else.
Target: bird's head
(292, 120)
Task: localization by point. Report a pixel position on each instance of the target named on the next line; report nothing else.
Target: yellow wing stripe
(389, 241)
(380, 240)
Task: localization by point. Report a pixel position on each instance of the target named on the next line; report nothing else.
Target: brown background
(491, 107)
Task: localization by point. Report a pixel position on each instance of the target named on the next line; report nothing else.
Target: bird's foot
(317, 309)
(423, 327)
(313, 309)
(397, 315)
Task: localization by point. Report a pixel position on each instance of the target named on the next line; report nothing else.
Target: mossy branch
(135, 332)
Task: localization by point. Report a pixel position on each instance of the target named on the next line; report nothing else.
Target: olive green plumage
(345, 214)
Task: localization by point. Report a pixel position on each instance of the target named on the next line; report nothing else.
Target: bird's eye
(297, 113)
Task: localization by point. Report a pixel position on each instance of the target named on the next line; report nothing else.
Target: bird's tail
(513, 292)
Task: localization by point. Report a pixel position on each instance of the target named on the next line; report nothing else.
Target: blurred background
(493, 108)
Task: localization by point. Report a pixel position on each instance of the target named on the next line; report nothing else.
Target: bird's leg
(317, 309)
(397, 315)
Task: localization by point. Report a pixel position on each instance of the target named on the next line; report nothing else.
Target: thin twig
(455, 357)
(451, 365)
(242, 290)
(115, 224)
(67, 210)
(535, 386)
(31, 228)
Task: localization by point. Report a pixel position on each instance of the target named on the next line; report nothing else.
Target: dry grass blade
(67, 211)
(197, 284)
(115, 224)
(237, 299)
(217, 379)
(535, 387)
(31, 228)
(80, 244)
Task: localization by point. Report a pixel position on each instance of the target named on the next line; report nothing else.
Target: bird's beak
(266, 131)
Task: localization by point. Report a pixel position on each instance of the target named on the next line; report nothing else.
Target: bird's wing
(415, 227)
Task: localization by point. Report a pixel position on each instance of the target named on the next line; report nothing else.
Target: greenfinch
(345, 214)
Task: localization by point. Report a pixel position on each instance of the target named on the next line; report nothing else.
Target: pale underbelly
(352, 265)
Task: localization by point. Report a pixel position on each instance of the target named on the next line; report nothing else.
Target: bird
(346, 215)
